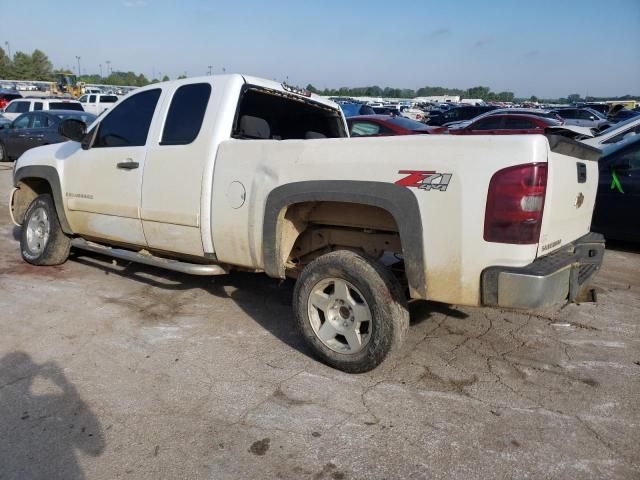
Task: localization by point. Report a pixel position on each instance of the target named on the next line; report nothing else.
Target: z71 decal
(424, 180)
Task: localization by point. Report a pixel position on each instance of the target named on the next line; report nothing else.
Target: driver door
(102, 184)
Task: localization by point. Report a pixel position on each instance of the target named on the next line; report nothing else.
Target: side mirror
(72, 129)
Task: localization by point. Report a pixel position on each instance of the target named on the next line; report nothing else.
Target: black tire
(53, 250)
(375, 286)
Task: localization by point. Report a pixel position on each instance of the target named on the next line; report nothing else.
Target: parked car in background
(385, 125)
(33, 129)
(524, 111)
(583, 117)
(23, 105)
(622, 115)
(458, 114)
(615, 133)
(413, 114)
(6, 96)
(507, 124)
(617, 210)
(352, 109)
(97, 103)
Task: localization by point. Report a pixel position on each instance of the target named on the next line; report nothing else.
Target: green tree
(22, 67)
(5, 65)
(41, 67)
(573, 98)
(165, 78)
(180, 77)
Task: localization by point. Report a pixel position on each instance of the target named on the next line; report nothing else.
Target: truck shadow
(43, 421)
(267, 301)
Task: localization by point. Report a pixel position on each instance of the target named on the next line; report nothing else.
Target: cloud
(134, 3)
(481, 42)
(441, 32)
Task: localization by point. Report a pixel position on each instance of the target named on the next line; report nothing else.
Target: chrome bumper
(554, 278)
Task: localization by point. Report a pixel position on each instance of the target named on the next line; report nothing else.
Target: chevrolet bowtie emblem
(579, 200)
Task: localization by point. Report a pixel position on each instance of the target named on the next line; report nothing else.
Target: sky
(547, 48)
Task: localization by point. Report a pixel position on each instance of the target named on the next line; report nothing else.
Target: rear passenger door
(17, 136)
(175, 171)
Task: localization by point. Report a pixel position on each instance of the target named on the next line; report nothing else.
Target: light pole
(210, 67)
(100, 71)
(8, 49)
(78, 59)
(109, 71)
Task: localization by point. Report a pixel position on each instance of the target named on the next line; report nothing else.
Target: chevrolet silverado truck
(214, 174)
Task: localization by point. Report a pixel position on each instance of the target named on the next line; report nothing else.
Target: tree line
(37, 66)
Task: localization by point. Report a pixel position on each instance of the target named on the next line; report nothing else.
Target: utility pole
(210, 67)
(8, 49)
(78, 58)
(109, 71)
(100, 72)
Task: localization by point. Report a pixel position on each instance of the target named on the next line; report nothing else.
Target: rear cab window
(264, 114)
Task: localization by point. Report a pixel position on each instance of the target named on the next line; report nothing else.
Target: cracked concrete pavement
(111, 370)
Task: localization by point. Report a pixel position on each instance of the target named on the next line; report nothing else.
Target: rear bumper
(554, 278)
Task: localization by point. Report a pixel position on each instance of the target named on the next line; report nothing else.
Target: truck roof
(260, 82)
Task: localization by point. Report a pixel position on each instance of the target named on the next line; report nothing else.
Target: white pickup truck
(212, 174)
(97, 103)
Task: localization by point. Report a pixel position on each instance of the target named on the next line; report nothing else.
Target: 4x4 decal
(425, 180)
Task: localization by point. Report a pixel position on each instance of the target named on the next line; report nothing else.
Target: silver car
(583, 117)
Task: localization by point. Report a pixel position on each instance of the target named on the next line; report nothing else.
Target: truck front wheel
(42, 241)
(350, 310)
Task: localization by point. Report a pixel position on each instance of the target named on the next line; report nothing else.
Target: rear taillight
(515, 204)
(3, 103)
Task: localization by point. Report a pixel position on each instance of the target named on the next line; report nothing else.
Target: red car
(385, 125)
(507, 124)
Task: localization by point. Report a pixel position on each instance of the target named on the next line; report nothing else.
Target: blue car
(353, 109)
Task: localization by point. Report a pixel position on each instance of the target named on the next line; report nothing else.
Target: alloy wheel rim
(38, 231)
(339, 316)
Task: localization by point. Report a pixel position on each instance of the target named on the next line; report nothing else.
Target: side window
(490, 123)
(18, 107)
(37, 106)
(83, 99)
(23, 121)
(629, 161)
(128, 124)
(512, 123)
(92, 98)
(363, 129)
(40, 121)
(185, 115)
(585, 115)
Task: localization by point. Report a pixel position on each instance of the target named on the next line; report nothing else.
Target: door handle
(128, 165)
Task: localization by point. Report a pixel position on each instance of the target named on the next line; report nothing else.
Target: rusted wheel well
(28, 189)
(310, 229)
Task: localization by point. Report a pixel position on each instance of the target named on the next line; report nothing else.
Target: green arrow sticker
(615, 181)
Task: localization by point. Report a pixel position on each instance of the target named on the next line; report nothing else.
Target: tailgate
(572, 185)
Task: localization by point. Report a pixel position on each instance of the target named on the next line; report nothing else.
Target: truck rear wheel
(350, 310)
(42, 241)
